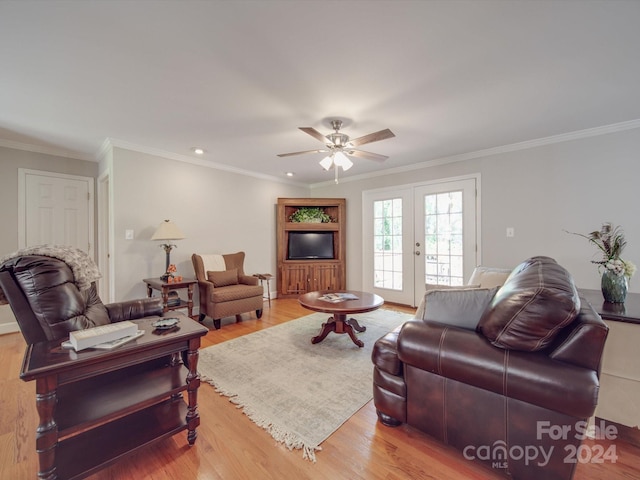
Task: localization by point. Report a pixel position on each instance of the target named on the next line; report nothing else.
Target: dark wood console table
(96, 406)
(628, 312)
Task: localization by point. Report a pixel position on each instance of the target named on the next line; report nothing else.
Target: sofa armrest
(466, 356)
(582, 342)
(385, 353)
(134, 309)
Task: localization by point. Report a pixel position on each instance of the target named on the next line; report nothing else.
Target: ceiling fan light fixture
(327, 162)
(339, 145)
(341, 160)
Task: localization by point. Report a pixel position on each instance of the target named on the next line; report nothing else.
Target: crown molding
(57, 152)
(115, 143)
(528, 144)
(109, 143)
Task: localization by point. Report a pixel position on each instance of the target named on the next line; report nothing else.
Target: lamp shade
(168, 231)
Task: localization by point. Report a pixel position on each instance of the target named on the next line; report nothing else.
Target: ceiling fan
(338, 146)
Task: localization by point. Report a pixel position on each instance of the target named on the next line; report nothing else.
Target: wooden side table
(265, 277)
(165, 287)
(97, 406)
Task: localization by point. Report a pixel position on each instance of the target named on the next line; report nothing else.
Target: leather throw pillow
(538, 300)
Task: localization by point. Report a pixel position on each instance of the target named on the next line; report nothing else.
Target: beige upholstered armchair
(224, 289)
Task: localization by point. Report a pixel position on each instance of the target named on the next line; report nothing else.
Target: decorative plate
(165, 323)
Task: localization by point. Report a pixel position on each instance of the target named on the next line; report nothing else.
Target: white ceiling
(239, 77)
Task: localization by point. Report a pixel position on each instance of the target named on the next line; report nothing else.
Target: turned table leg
(193, 382)
(339, 324)
(47, 430)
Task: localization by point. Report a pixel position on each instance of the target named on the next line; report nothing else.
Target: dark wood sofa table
(628, 312)
(96, 406)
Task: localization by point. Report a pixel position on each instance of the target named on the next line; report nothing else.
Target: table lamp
(166, 232)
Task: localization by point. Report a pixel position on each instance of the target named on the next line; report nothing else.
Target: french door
(417, 235)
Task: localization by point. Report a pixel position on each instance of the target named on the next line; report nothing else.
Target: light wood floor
(230, 446)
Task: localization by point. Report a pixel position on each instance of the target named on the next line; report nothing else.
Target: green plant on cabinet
(310, 215)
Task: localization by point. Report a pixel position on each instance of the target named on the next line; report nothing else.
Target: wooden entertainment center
(298, 276)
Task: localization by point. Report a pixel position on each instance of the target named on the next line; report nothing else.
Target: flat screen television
(310, 246)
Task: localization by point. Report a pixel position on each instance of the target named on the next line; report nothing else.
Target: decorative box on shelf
(173, 299)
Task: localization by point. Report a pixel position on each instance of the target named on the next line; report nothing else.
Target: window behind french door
(417, 235)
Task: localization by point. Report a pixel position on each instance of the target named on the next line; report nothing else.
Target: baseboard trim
(630, 435)
(9, 328)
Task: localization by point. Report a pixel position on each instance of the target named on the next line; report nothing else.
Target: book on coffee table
(338, 297)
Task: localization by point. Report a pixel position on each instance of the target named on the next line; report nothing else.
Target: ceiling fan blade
(300, 153)
(368, 155)
(372, 137)
(314, 133)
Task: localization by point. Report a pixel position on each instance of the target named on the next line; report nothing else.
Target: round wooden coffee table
(337, 322)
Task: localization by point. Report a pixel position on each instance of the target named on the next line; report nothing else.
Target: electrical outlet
(128, 234)
(511, 232)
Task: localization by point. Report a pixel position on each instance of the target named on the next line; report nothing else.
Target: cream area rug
(298, 392)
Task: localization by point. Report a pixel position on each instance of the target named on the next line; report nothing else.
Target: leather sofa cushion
(223, 278)
(537, 301)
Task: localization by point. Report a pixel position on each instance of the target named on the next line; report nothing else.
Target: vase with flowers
(615, 271)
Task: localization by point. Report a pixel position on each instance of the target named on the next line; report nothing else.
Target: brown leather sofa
(515, 392)
(48, 304)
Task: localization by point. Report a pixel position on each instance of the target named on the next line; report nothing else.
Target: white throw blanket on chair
(213, 263)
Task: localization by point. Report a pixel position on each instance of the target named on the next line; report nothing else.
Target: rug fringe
(290, 440)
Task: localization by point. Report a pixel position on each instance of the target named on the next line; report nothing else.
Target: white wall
(218, 211)
(541, 192)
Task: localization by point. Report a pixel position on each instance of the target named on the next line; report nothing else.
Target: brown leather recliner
(224, 289)
(517, 391)
(48, 304)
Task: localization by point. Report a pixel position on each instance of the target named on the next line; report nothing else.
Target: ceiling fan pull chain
(335, 167)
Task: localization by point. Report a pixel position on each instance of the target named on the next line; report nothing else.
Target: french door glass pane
(443, 238)
(387, 243)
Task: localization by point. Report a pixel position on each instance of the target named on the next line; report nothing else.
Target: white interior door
(419, 234)
(55, 209)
